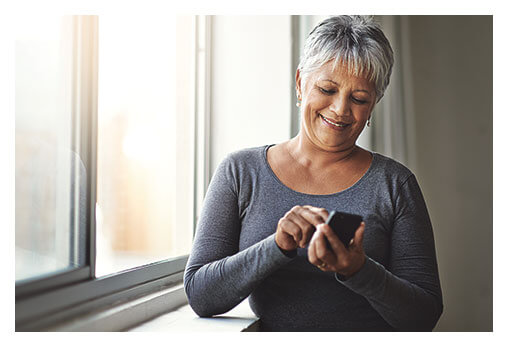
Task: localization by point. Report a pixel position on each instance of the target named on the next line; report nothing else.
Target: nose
(341, 105)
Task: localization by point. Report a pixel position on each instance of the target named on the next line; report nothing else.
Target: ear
(298, 84)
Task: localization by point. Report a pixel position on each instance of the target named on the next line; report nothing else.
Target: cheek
(362, 114)
(361, 117)
(312, 109)
(309, 110)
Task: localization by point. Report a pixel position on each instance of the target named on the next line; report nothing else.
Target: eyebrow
(331, 81)
(356, 90)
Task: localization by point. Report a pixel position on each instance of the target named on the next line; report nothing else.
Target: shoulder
(247, 154)
(241, 169)
(246, 159)
(391, 170)
(241, 163)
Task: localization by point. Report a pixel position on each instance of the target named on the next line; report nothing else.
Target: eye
(327, 91)
(359, 101)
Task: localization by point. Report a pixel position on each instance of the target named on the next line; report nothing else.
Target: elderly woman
(261, 233)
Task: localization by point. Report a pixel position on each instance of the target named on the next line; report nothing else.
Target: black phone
(344, 225)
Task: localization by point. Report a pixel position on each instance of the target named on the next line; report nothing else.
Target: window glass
(145, 146)
(50, 186)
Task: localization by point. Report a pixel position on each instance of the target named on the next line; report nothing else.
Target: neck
(311, 156)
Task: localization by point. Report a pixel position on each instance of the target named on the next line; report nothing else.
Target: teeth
(333, 123)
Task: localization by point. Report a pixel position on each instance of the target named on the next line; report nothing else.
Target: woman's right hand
(297, 226)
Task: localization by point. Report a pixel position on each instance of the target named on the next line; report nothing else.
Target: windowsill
(163, 310)
(240, 318)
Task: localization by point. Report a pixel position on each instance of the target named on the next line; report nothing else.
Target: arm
(407, 294)
(217, 276)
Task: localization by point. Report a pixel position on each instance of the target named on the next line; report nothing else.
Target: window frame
(83, 87)
(46, 301)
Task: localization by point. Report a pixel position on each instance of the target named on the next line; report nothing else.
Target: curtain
(392, 121)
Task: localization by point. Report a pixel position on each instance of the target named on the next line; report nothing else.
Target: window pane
(50, 183)
(145, 141)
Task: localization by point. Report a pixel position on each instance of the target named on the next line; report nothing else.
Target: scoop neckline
(353, 186)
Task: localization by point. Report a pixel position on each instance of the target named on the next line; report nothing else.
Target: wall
(452, 74)
(250, 83)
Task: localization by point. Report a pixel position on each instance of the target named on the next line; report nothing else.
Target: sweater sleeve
(217, 276)
(407, 294)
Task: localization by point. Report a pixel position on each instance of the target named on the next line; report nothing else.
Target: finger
(358, 238)
(318, 210)
(289, 227)
(335, 243)
(322, 252)
(313, 216)
(306, 228)
(311, 253)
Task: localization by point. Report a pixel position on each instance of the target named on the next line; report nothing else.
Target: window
(111, 123)
(50, 175)
(54, 161)
(145, 147)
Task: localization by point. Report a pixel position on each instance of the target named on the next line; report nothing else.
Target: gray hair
(357, 42)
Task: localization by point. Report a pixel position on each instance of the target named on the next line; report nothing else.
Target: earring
(368, 123)
(298, 104)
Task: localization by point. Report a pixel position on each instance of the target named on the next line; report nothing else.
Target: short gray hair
(357, 42)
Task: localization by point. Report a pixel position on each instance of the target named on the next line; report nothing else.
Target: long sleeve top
(234, 254)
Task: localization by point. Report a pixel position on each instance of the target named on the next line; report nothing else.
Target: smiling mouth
(339, 124)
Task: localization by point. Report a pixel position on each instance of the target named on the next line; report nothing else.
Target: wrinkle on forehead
(341, 73)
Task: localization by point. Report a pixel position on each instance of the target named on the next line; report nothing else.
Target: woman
(261, 231)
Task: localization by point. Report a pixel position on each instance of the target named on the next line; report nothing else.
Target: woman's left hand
(337, 258)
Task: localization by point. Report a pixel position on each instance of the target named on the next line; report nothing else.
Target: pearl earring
(298, 104)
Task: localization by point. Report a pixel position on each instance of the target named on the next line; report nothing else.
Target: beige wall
(452, 75)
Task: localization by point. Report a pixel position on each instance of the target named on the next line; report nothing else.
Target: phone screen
(344, 225)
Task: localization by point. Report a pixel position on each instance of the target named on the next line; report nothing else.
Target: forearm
(218, 286)
(404, 305)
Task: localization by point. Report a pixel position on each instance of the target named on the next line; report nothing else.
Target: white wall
(452, 70)
(250, 91)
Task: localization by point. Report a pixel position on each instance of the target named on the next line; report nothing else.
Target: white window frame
(44, 303)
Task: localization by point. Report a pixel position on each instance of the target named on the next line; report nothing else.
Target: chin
(333, 145)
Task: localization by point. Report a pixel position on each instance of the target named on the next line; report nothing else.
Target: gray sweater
(234, 254)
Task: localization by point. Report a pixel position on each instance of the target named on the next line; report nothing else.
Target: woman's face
(335, 106)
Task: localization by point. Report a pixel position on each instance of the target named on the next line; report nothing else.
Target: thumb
(358, 238)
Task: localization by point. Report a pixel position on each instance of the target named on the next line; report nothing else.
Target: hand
(339, 259)
(295, 229)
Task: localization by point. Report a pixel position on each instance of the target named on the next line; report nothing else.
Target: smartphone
(344, 225)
